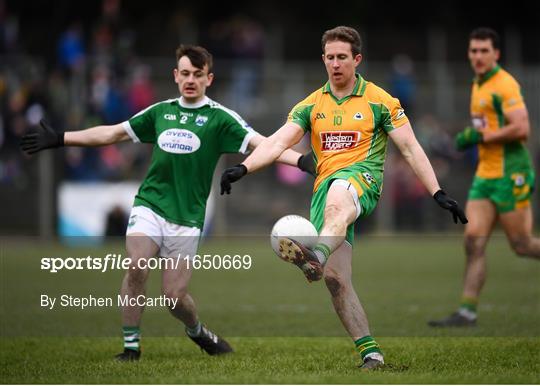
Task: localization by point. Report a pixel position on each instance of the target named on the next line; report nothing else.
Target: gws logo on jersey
(358, 116)
(400, 114)
(339, 140)
(179, 141)
(511, 102)
(368, 178)
(170, 117)
(201, 120)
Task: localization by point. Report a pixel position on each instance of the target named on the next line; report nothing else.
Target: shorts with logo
(359, 182)
(172, 239)
(511, 192)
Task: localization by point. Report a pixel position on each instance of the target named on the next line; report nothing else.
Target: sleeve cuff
(244, 147)
(129, 130)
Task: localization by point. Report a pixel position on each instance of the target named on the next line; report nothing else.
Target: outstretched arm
(47, 138)
(304, 162)
(415, 156)
(289, 157)
(96, 136)
(268, 150)
(275, 148)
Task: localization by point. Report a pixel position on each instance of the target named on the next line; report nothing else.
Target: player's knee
(175, 293)
(335, 282)
(475, 246)
(136, 276)
(334, 214)
(520, 246)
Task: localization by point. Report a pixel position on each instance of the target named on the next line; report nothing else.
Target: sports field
(283, 329)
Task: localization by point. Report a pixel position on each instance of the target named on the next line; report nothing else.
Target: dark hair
(198, 56)
(484, 33)
(343, 34)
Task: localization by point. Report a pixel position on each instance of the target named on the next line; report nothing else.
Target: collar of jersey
(358, 90)
(182, 102)
(487, 76)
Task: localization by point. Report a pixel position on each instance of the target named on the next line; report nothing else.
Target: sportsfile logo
(339, 140)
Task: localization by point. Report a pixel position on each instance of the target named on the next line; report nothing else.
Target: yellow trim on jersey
(356, 186)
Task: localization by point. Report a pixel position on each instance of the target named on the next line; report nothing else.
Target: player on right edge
(504, 181)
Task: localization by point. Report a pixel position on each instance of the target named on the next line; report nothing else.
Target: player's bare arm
(516, 129)
(268, 151)
(46, 137)
(415, 156)
(96, 136)
(289, 156)
(271, 148)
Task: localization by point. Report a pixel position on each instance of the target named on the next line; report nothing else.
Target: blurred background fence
(101, 64)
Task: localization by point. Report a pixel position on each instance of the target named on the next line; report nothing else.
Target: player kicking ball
(189, 135)
(350, 120)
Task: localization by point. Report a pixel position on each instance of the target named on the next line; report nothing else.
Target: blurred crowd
(92, 82)
(98, 78)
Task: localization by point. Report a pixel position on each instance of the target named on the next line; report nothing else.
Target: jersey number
(183, 119)
(337, 120)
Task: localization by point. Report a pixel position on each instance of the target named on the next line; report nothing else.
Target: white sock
(320, 257)
(194, 331)
(467, 314)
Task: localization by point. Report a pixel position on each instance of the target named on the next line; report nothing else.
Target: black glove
(306, 163)
(232, 175)
(41, 139)
(450, 204)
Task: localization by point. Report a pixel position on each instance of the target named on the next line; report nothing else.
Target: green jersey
(188, 141)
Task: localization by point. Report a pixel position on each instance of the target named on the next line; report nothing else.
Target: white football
(294, 227)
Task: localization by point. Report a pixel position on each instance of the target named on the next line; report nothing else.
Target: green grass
(272, 360)
(283, 330)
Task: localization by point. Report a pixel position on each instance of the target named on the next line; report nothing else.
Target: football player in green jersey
(189, 135)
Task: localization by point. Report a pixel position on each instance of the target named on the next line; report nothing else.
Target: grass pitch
(283, 330)
(272, 360)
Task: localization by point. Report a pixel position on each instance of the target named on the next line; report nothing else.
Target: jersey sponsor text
(339, 140)
(179, 141)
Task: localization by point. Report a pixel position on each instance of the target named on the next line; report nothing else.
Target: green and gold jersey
(350, 131)
(493, 95)
(188, 141)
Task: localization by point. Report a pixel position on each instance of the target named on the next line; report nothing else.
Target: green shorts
(366, 187)
(511, 192)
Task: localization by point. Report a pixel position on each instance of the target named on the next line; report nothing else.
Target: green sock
(322, 251)
(469, 304)
(366, 346)
(132, 338)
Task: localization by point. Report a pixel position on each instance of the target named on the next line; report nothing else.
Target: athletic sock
(322, 251)
(194, 331)
(368, 348)
(132, 338)
(467, 307)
